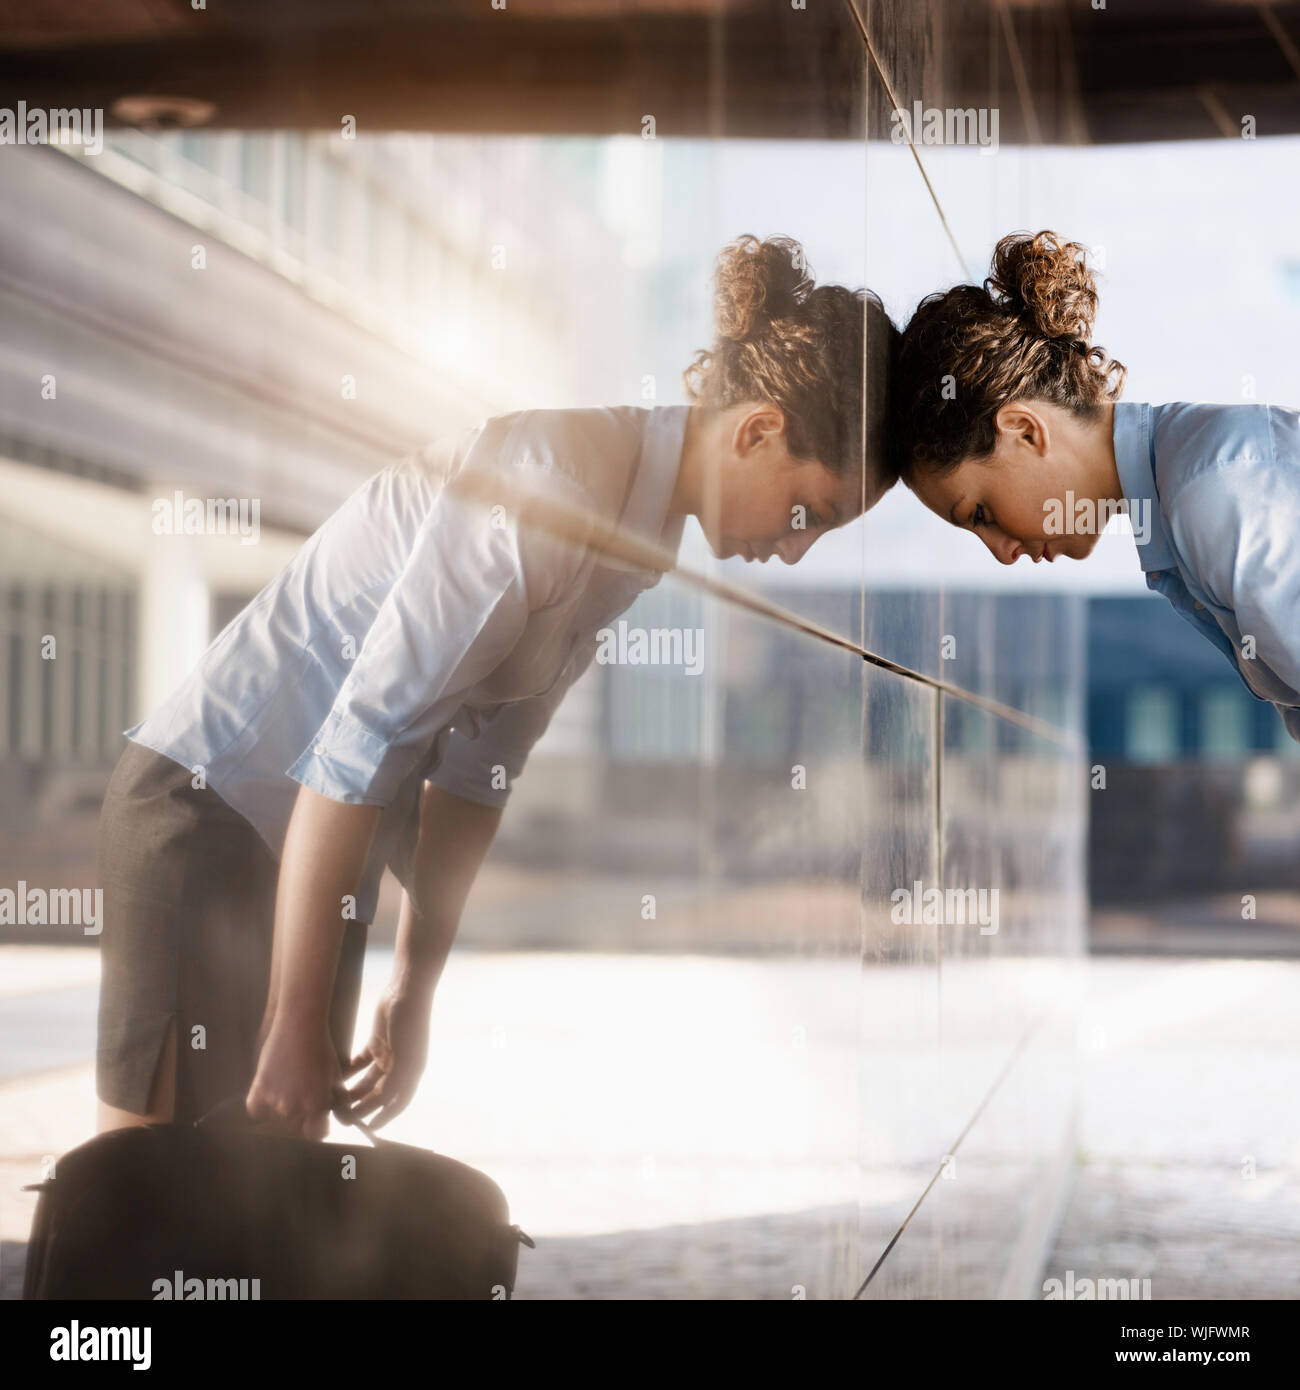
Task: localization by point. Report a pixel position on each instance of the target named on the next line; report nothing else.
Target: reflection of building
(262, 318)
(767, 700)
(67, 634)
(648, 711)
(1159, 692)
(448, 248)
(1203, 781)
(66, 628)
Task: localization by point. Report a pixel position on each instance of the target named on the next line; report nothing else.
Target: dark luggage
(217, 1210)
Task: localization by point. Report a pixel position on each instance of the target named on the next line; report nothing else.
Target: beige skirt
(189, 909)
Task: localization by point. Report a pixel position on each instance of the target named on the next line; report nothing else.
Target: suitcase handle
(231, 1114)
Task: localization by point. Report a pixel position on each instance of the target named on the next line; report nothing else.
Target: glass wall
(840, 909)
(766, 989)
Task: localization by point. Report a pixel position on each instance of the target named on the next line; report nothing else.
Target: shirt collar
(1135, 461)
(645, 513)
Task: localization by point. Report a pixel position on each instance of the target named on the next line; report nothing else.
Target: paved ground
(1189, 1165)
(1189, 1132)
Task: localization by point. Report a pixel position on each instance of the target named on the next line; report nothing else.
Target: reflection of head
(782, 340)
(968, 351)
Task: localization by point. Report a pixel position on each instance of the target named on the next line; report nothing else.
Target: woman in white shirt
(372, 706)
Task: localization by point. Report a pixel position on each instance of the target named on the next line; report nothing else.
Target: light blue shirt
(1220, 487)
(419, 636)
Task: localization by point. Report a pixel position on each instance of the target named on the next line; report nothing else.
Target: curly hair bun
(1045, 281)
(757, 282)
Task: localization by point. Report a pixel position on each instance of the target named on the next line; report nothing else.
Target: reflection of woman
(1007, 424)
(374, 703)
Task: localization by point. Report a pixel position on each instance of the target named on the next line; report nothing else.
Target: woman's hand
(397, 1051)
(298, 1076)
(298, 1080)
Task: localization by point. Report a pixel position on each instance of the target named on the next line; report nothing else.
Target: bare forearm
(325, 851)
(422, 948)
(455, 835)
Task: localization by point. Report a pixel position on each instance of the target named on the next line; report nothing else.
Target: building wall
(262, 317)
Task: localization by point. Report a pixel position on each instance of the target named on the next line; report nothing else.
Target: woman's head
(1000, 401)
(776, 452)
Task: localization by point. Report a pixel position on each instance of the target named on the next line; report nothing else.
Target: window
(254, 166)
(1151, 724)
(1284, 744)
(1224, 724)
(293, 191)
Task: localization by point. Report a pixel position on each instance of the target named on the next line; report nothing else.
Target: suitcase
(218, 1210)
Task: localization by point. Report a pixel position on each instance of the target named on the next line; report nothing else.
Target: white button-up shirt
(1220, 485)
(418, 635)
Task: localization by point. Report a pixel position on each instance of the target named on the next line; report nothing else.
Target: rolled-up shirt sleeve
(484, 769)
(454, 612)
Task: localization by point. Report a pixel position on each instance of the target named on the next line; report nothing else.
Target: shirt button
(1199, 604)
(320, 748)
